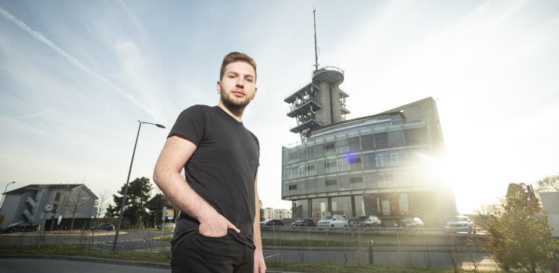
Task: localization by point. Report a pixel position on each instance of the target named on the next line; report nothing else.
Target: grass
(143, 256)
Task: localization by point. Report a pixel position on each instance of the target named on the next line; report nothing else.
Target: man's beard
(233, 106)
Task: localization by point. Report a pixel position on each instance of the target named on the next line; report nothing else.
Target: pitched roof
(35, 187)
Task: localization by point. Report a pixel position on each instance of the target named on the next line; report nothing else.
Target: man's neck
(236, 114)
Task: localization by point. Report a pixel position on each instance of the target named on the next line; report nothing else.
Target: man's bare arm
(259, 263)
(176, 152)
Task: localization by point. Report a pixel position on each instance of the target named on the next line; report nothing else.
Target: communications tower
(321, 102)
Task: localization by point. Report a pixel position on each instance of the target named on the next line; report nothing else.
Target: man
(218, 229)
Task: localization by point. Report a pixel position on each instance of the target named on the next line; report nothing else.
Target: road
(33, 265)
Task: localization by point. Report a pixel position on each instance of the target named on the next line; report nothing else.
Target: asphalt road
(33, 265)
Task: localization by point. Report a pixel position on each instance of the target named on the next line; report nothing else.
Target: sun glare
(450, 171)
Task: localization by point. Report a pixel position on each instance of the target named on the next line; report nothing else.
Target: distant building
(373, 165)
(268, 213)
(40, 204)
(271, 213)
(550, 204)
(282, 213)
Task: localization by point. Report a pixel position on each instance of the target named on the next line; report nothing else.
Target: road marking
(271, 256)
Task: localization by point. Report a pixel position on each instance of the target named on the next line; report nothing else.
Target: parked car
(411, 222)
(334, 221)
(367, 221)
(304, 223)
(271, 223)
(20, 227)
(105, 226)
(460, 223)
(166, 226)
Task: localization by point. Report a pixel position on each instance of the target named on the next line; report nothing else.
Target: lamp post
(4, 195)
(128, 179)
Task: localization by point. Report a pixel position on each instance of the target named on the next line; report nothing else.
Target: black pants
(195, 252)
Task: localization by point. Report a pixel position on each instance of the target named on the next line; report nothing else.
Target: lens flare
(349, 156)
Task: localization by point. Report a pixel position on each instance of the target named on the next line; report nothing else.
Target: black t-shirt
(223, 168)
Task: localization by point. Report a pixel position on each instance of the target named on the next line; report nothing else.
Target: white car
(334, 221)
(460, 223)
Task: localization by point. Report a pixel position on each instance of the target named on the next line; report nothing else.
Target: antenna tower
(315, 47)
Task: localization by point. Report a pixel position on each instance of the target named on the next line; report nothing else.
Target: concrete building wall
(336, 106)
(550, 203)
(323, 114)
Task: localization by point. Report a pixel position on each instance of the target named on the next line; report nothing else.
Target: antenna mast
(315, 48)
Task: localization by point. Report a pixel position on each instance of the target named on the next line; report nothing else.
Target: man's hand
(259, 263)
(215, 225)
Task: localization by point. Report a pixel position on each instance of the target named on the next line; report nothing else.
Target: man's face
(237, 87)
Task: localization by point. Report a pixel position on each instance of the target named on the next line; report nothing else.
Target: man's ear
(255, 91)
(218, 87)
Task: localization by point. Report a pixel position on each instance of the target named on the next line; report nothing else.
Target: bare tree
(60, 204)
(77, 201)
(101, 207)
(549, 183)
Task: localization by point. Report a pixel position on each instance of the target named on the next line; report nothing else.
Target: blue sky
(75, 76)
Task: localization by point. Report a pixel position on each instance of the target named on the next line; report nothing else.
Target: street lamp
(128, 179)
(4, 195)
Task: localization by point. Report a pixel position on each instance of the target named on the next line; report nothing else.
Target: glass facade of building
(376, 165)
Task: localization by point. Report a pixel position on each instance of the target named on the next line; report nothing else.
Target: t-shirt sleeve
(191, 124)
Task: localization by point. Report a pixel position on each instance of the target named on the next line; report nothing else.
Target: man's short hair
(236, 57)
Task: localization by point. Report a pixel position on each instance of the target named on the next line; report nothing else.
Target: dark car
(20, 227)
(271, 223)
(107, 227)
(304, 223)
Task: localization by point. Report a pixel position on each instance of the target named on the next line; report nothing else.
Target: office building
(382, 164)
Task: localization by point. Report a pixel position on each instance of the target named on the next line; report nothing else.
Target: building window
(370, 180)
(330, 166)
(359, 205)
(301, 208)
(341, 205)
(331, 182)
(382, 160)
(293, 156)
(385, 180)
(356, 165)
(396, 138)
(318, 206)
(330, 149)
(343, 165)
(416, 136)
(356, 179)
(394, 159)
(369, 161)
(367, 142)
(292, 187)
(354, 144)
(381, 140)
(310, 169)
